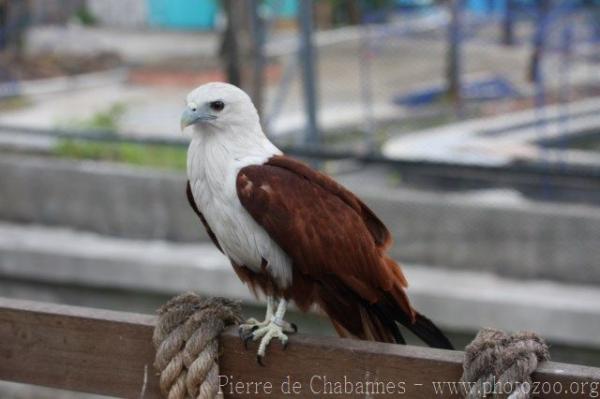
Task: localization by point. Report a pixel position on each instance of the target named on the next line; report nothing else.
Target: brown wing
(378, 231)
(190, 198)
(336, 243)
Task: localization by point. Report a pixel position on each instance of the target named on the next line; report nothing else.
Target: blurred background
(472, 127)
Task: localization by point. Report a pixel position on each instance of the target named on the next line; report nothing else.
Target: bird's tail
(419, 325)
(381, 322)
(354, 315)
(428, 332)
(377, 323)
(395, 306)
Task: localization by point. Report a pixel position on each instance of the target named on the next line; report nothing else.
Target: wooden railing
(111, 353)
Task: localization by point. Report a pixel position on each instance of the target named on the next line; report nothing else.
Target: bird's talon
(246, 330)
(265, 331)
(289, 328)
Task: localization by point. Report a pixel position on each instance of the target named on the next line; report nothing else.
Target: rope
(498, 363)
(187, 348)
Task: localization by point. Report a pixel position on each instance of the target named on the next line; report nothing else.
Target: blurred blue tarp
(182, 14)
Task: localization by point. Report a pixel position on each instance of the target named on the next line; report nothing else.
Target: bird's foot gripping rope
(186, 342)
(273, 327)
(500, 364)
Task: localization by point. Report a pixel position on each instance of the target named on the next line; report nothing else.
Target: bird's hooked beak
(194, 114)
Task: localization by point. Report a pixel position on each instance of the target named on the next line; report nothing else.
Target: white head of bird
(220, 108)
(225, 128)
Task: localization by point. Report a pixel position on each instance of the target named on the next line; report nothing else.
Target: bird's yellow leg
(272, 327)
(276, 328)
(252, 324)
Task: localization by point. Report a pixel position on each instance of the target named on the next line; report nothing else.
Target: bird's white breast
(213, 166)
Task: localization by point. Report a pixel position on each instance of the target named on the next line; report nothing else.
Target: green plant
(84, 16)
(109, 119)
(150, 155)
(106, 120)
(13, 103)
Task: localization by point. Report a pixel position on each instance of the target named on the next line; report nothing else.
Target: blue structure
(486, 6)
(202, 14)
(286, 9)
(182, 14)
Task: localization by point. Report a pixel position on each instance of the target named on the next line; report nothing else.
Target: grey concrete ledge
(503, 234)
(66, 256)
(461, 301)
(103, 197)
(42, 87)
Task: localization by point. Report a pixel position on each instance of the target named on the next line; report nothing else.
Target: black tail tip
(430, 333)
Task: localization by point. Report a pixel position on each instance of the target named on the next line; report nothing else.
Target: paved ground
(505, 138)
(395, 65)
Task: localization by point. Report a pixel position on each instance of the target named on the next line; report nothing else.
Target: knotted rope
(500, 364)
(187, 348)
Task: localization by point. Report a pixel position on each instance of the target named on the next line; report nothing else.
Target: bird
(291, 233)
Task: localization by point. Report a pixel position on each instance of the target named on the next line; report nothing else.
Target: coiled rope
(186, 342)
(500, 364)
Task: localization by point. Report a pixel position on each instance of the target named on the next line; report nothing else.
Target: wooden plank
(76, 348)
(110, 353)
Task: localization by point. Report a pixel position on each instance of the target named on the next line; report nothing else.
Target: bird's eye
(217, 105)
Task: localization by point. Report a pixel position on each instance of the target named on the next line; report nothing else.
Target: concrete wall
(518, 239)
(528, 240)
(98, 197)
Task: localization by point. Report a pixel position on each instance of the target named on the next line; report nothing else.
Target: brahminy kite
(291, 232)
